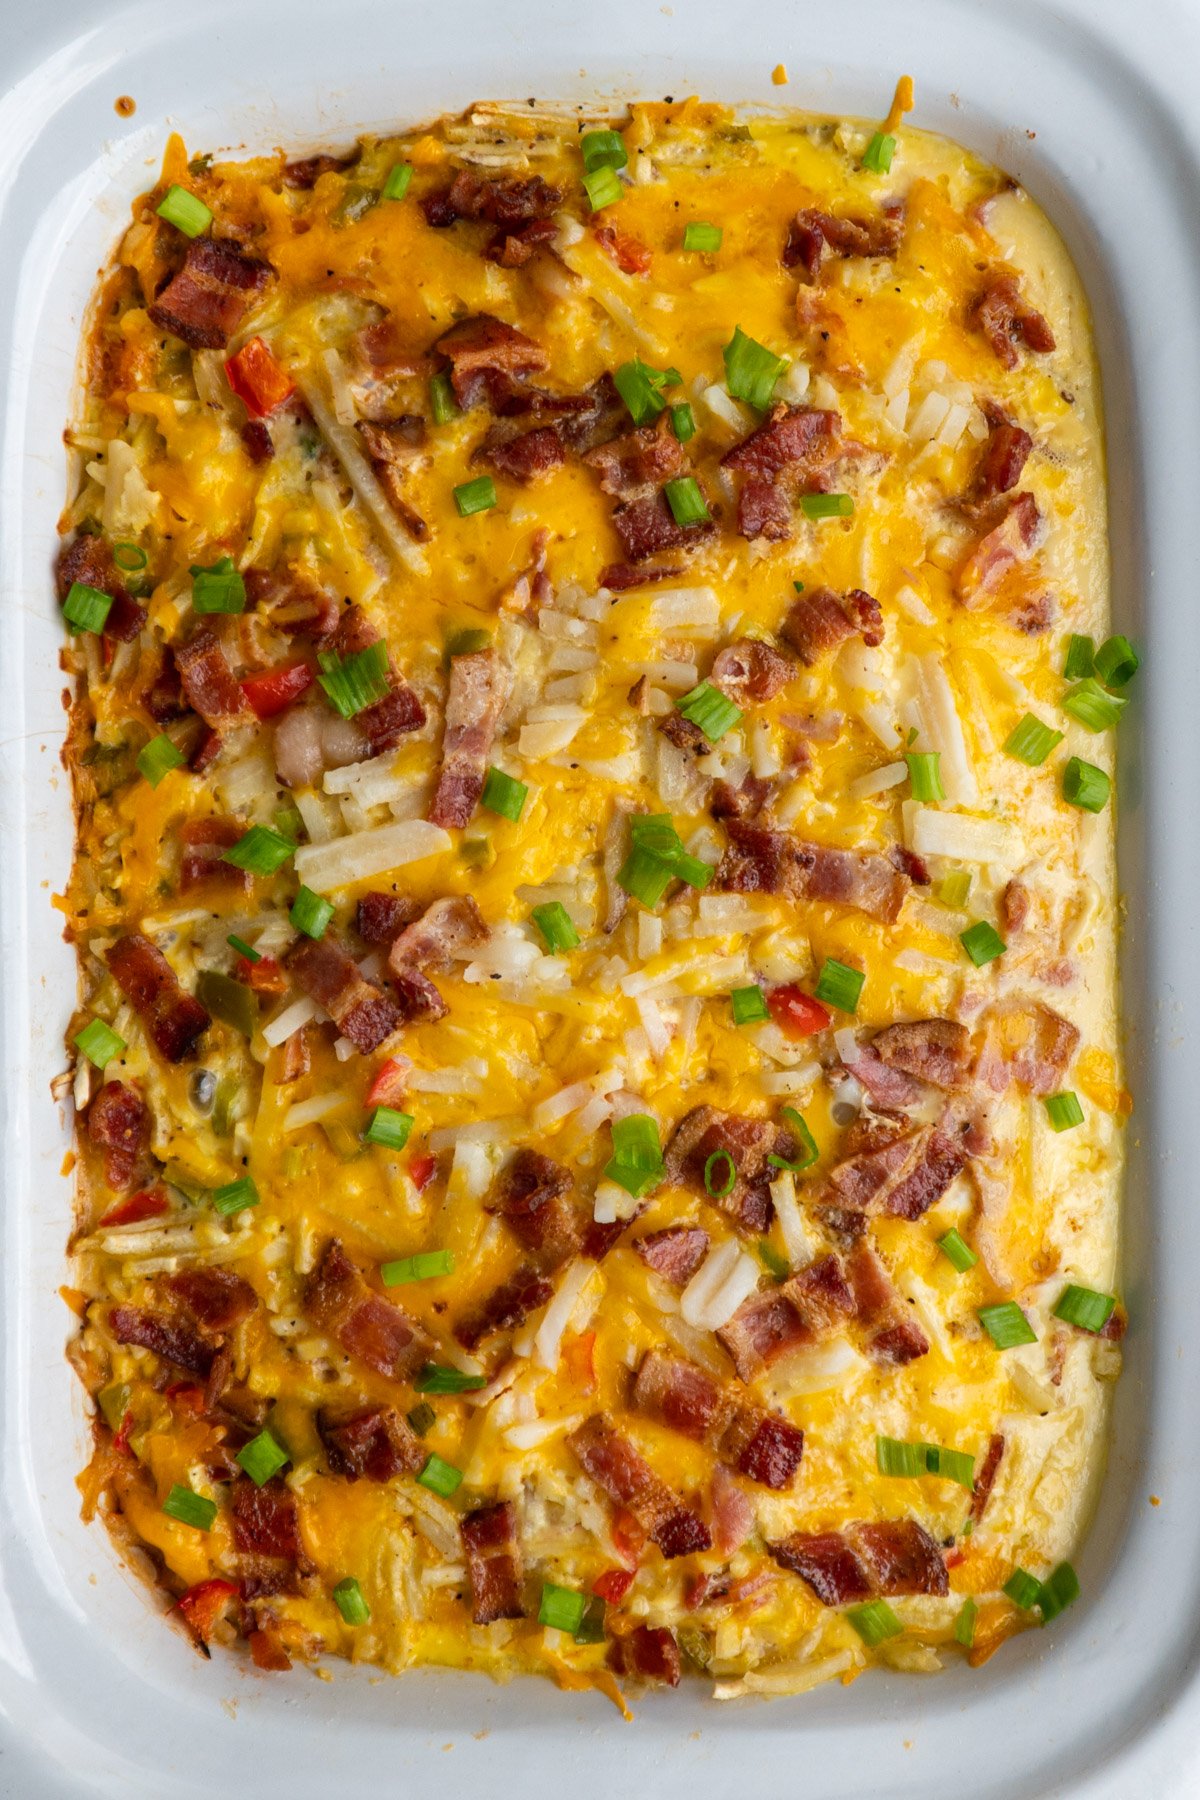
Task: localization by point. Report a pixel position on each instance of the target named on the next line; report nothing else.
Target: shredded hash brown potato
(587, 1010)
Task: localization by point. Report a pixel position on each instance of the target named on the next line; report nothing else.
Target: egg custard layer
(597, 1070)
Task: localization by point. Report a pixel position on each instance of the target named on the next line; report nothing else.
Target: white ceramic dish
(1097, 115)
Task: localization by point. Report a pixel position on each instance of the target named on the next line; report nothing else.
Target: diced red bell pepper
(187, 1395)
(391, 1079)
(264, 976)
(422, 1170)
(146, 1205)
(796, 1013)
(628, 1536)
(629, 253)
(613, 1585)
(121, 1437)
(274, 689)
(203, 1605)
(258, 380)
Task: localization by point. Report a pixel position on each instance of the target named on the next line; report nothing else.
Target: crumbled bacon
(934, 1050)
(512, 247)
(304, 173)
(205, 842)
(216, 1298)
(330, 976)
(499, 199)
(647, 1653)
(639, 460)
(530, 1196)
(506, 1307)
(210, 684)
(730, 1512)
(1005, 320)
(894, 1337)
(374, 1443)
(749, 1142)
(1014, 906)
(448, 928)
(169, 1338)
(173, 1017)
(264, 1518)
(819, 621)
(647, 526)
(363, 1323)
(390, 445)
(1003, 458)
(764, 510)
(764, 1328)
(614, 1465)
(205, 302)
(791, 439)
(985, 1478)
(523, 456)
(631, 256)
(291, 601)
(479, 688)
(483, 346)
(489, 1538)
(751, 672)
(889, 1088)
(812, 233)
(89, 559)
(888, 1558)
(774, 862)
(380, 918)
(759, 1445)
(1008, 543)
(675, 1253)
(745, 801)
(118, 1122)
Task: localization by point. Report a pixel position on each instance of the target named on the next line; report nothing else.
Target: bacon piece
(205, 842)
(445, 930)
(479, 688)
(818, 622)
(758, 1444)
(375, 1443)
(1010, 542)
(205, 302)
(674, 1253)
(745, 801)
(773, 862)
(385, 721)
(307, 170)
(889, 1088)
(209, 682)
(647, 1653)
(1014, 906)
(762, 1446)
(330, 976)
(216, 1298)
(513, 248)
(1004, 456)
(791, 440)
(600, 414)
(89, 559)
(639, 460)
(647, 526)
(821, 1295)
(880, 1156)
(910, 864)
(614, 1465)
(489, 1537)
(764, 510)
(684, 734)
(812, 233)
(173, 1017)
(506, 1307)
(889, 1557)
(750, 672)
(760, 861)
(291, 601)
(730, 1511)
(631, 256)
(481, 346)
(390, 445)
(985, 1479)
(764, 1328)
(895, 1338)
(522, 456)
(380, 918)
(363, 1323)
(500, 199)
(827, 1562)
(381, 350)
(934, 1050)
(203, 1605)
(267, 1651)
(530, 1198)
(1005, 320)
(118, 1122)
(264, 1518)
(749, 1142)
(1031, 1045)
(169, 1338)
(620, 576)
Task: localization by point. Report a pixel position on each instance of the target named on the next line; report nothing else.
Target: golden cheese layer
(904, 325)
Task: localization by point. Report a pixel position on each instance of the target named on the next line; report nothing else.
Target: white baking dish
(1096, 114)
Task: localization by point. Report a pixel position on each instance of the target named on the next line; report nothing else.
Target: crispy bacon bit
(760, 1445)
(685, 735)
(118, 1122)
(934, 1050)
(174, 1342)
(774, 862)
(1031, 1045)
(307, 170)
(330, 976)
(390, 445)
(764, 509)
(647, 1653)
(751, 672)
(523, 456)
(985, 1479)
(205, 842)
(447, 929)
(479, 688)
(530, 1197)
(1005, 320)
(483, 346)
(910, 864)
(675, 1253)
(827, 1562)
(812, 233)
(745, 801)
(820, 621)
(512, 249)
(89, 559)
(730, 1510)
(888, 1088)
(1010, 542)
(647, 526)
(173, 1017)
(500, 199)
(631, 256)
(895, 1337)
(363, 1323)
(620, 576)
(216, 1298)
(614, 1465)
(639, 460)
(489, 1537)
(204, 1604)
(749, 1142)
(764, 1328)
(375, 1443)
(400, 711)
(1014, 906)
(599, 414)
(264, 1518)
(291, 601)
(905, 1174)
(1004, 456)
(205, 302)
(790, 440)
(506, 1307)
(890, 1557)
(821, 1295)
(209, 682)
(380, 918)
(380, 351)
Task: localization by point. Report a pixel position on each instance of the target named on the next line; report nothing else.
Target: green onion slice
(1085, 786)
(751, 370)
(1064, 1110)
(475, 496)
(1080, 662)
(157, 758)
(1023, 1589)
(556, 926)
(925, 775)
(982, 943)
(874, 1622)
(641, 388)
(243, 948)
(826, 506)
(954, 889)
(877, 157)
(426, 1265)
(441, 1477)
(686, 502)
(749, 1005)
(86, 608)
(262, 1457)
(219, 589)
(637, 1159)
(1085, 1307)
(186, 211)
(964, 1623)
(99, 1042)
(895, 1457)
(720, 1174)
(838, 985)
(442, 403)
(561, 1608)
(355, 682)
(436, 1378)
(603, 187)
(603, 150)
(955, 1248)
(1031, 742)
(396, 186)
(710, 709)
(503, 794)
(422, 1417)
(683, 422)
(260, 851)
(592, 1631)
(235, 1196)
(1057, 1591)
(698, 235)
(388, 1127)
(1006, 1325)
(1116, 662)
(798, 1126)
(130, 558)
(1088, 702)
(310, 914)
(347, 1595)
(190, 1508)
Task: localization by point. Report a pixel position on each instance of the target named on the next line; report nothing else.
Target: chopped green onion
(86, 608)
(503, 795)
(751, 370)
(1023, 1589)
(700, 236)
(436, 1378)
(235, 1196)
(561, 1608)
(396, 185)
(388, 1127)
(826, 506)
(466, 642)
(683, 422)
(874, 1622)
(243, 948)
(799, 586)
(129, 558)
(955, 1248)
(99, 1042)
(158, 758)
(641, 388)
(262, 1457)
(422, 1417)
(1088, 702)
(556, 926)
(603, 187)
(1116, 662)
(591, 1631)
(637, 1159)
(720, 1174)
(809, 1152)
(310, 914)
(1057, 1591)
(441, 1477)
(475, 496)
(355, 682)
(426, 1265)
(1064, 1110)
(187, 212)
(1086, 786)
(260, 851)
(603, 150)
(964, 1623)
(657, 858)
(951, 1465)
(645, 876)
(877, 157)
(1084, 1307)
(227, 999)
(954, 889)
(347, 1595)
(113, 1402)
(776, 1266)
(219, 589)
(441, 400)
(686, 502)
(1031, 742)
(190, 1508)
(924, 774)
(982, 943)
(1081, 652)
(710, 709)
(838, 985)
(1006, 1325)
(894, 1457)
(749, 1005)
